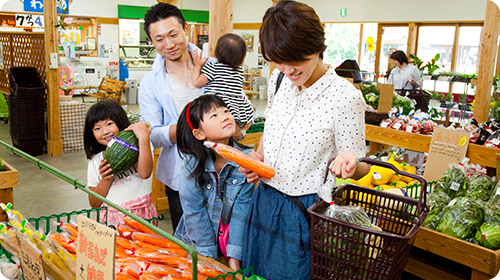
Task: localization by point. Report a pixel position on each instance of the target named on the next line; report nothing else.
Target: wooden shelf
(249, 79)
(417, 142)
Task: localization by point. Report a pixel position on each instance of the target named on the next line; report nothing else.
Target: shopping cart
(341, 250)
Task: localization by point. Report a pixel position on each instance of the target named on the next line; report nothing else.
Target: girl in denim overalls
(213, 194)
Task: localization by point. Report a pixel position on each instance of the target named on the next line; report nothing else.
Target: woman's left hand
(344, 165)
(234, 264)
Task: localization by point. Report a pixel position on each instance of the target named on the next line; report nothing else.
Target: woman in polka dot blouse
(313, 116)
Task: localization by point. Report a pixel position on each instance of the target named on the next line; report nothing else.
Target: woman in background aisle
(404, 75)
(314, 115)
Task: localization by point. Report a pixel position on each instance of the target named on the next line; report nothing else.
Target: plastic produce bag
(479, 187)
(454, 181)
(9, 270)
(437, 201)
(461, 217)
(488, 235)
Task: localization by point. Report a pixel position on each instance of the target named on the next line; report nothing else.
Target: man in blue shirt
(165, 91)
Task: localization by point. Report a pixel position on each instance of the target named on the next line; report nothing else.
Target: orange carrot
(173, 251)
(155, 240)
(125, 243)
(163, 270)
(120, 252)
(125, 230)
(71, 229)
(138, 226)
(69, 245)
(242, 159)
(157, 256)
(124, 276)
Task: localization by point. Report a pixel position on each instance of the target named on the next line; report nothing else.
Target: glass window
(433, 40)
(393, 38)
(367, 61)
(342, 41)
(468, 45)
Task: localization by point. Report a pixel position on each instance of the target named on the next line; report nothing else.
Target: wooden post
(487, 55)
(54, 143)
(411, 46)
(455, 54)
(221, 21)
(360, 43)
(378, 45)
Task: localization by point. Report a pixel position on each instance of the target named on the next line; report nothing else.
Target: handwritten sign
(446, 146)
(31, 259)
(95, 254)
(26, 20)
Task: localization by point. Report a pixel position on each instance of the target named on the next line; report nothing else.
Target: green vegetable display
(461, 217)
(488, 235)
(479, 187)
(454, 182)
(437, 201)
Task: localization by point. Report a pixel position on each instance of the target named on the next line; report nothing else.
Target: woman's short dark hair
(231, 50)
(162, 11)
(399, 56)
(290, 32)
(102, 110)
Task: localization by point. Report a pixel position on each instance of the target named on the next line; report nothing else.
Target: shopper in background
(225, 79)
(130, 189)
(404, 75)
(313, 116)
(165, 91)
(216, 198)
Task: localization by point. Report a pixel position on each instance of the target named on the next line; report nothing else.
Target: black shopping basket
(422, 97)
(341, 250)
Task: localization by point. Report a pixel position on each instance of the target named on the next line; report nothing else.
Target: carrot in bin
(155, 240)
(138, 226)
(160, 269)
(125, 230)
(125, 243)
(157, 256)
(71, 229)
(124, 276)
(242, 159)
(69, 245)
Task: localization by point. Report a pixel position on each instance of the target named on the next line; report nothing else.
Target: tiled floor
(40, 193)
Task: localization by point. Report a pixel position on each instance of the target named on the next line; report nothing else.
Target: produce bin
(8, 180)
(341, 250)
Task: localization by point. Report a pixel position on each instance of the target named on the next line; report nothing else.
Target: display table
(8, 180)
(72, 123)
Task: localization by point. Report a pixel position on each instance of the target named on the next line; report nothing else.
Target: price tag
(495, 141)
(384, 124)
(377, 176)
(446, 146)
(95, 254)
(409, 128)
(397, 126)
(454, 186)
(498, 191)
(31, 259)
(26, 20)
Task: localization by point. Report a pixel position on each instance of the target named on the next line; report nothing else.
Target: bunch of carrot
(142, 254)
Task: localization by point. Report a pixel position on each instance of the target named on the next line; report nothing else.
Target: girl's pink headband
(187, 116)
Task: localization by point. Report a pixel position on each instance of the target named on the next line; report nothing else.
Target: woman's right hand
(252, 177)
(104, 170)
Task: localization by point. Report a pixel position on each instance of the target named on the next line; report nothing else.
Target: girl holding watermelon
(215, 197)
(130, 189)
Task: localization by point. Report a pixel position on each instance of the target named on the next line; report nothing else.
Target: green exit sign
(343, 12)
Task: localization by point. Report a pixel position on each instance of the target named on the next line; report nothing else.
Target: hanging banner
(37, 6)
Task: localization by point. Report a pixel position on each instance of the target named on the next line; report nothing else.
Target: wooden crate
(8, 180)
(485, 263)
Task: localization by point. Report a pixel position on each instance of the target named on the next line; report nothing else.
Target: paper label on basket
(384, 124)
(377, 176)
(409, 128)
(397, 126)
(454, 186)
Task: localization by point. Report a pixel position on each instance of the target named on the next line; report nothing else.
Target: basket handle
(421, 180)
(370, 161)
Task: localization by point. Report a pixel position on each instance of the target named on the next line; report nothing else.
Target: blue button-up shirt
(225, 197)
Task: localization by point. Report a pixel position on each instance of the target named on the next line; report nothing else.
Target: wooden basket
(374, 117)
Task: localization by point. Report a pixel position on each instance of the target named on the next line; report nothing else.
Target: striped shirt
(227, 83)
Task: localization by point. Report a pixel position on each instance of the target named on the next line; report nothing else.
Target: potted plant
(432, 65)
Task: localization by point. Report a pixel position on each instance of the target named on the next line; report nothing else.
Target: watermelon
(122, 151)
